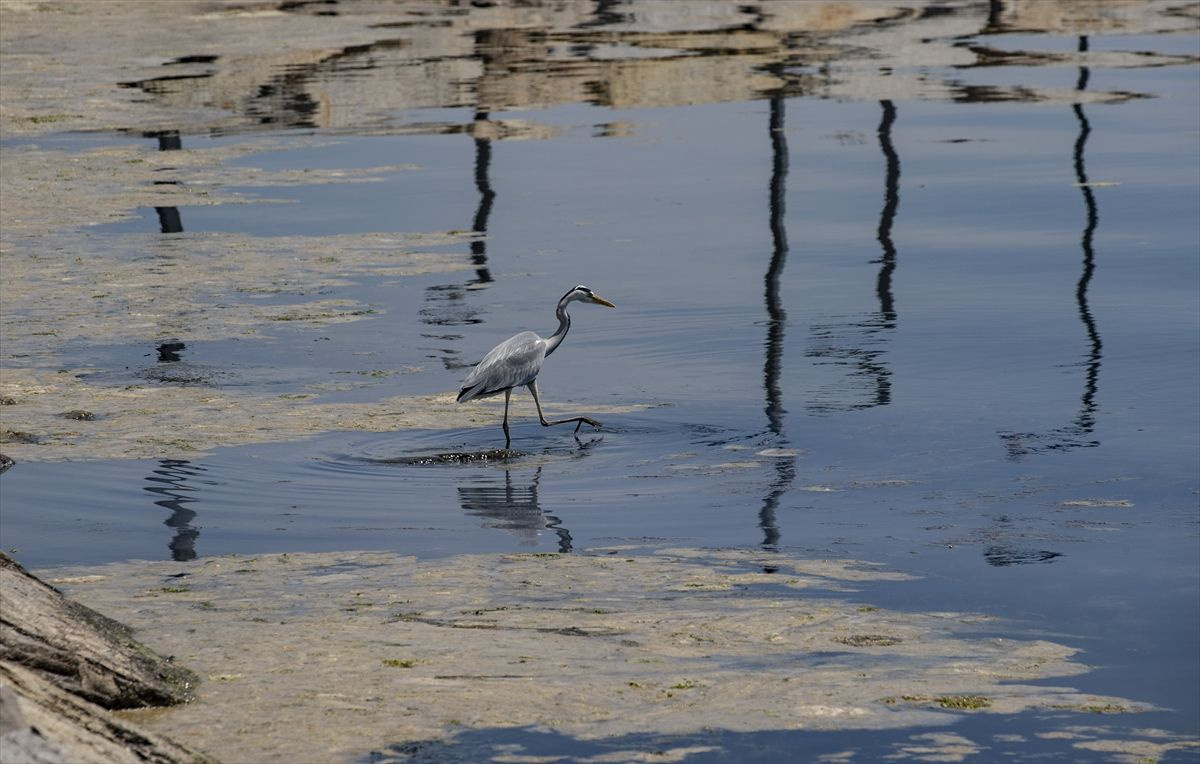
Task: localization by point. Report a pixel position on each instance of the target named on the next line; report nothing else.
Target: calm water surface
(958, 337)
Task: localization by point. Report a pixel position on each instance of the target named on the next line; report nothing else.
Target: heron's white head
(584, 294)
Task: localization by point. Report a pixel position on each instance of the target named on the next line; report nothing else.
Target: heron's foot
(588, 420)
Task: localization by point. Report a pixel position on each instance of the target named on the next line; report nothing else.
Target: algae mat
(132, 290)
(372, 656)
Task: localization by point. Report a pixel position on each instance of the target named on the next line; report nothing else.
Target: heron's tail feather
(467, 393)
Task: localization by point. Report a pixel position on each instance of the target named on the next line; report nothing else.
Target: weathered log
(40, 723)
(80, 650)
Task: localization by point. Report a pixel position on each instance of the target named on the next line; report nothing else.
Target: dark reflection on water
(168, 140)
(785, 468)
(168, 351)
(510, 503)
(492, 57)
(170, 368)
(311, 7)
(514, 508)
(1079, 432)
(290, 97)
(776, 315)
(887, 218)
(483, 163)
(448, 304)
(1086, 420)
(607, 12)
(1001, 556)
(858, 345)
(175, 483)
(169, 220)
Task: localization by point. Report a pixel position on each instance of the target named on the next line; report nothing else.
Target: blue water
(962, 339)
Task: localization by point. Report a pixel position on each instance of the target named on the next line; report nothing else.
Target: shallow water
(956, 336)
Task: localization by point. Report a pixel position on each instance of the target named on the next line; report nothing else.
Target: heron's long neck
(564, 324)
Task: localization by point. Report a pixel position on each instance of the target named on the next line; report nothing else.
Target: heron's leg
(507, 397)
(546, 423)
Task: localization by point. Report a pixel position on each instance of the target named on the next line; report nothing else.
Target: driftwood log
(80, 650)
(40, 723)
(61, 666)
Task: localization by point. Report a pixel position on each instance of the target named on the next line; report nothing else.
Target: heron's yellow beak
(601, 301)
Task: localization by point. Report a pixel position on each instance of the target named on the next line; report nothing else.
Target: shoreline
(351, 654)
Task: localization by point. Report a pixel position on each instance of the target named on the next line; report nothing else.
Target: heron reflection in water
(517, 361)
(513, 508)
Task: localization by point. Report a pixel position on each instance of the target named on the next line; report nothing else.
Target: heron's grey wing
(512, 363)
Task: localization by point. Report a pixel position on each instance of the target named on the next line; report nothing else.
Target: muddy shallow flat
(347, 656)
(905, 282)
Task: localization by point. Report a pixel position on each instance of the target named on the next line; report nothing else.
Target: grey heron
(517, 361)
